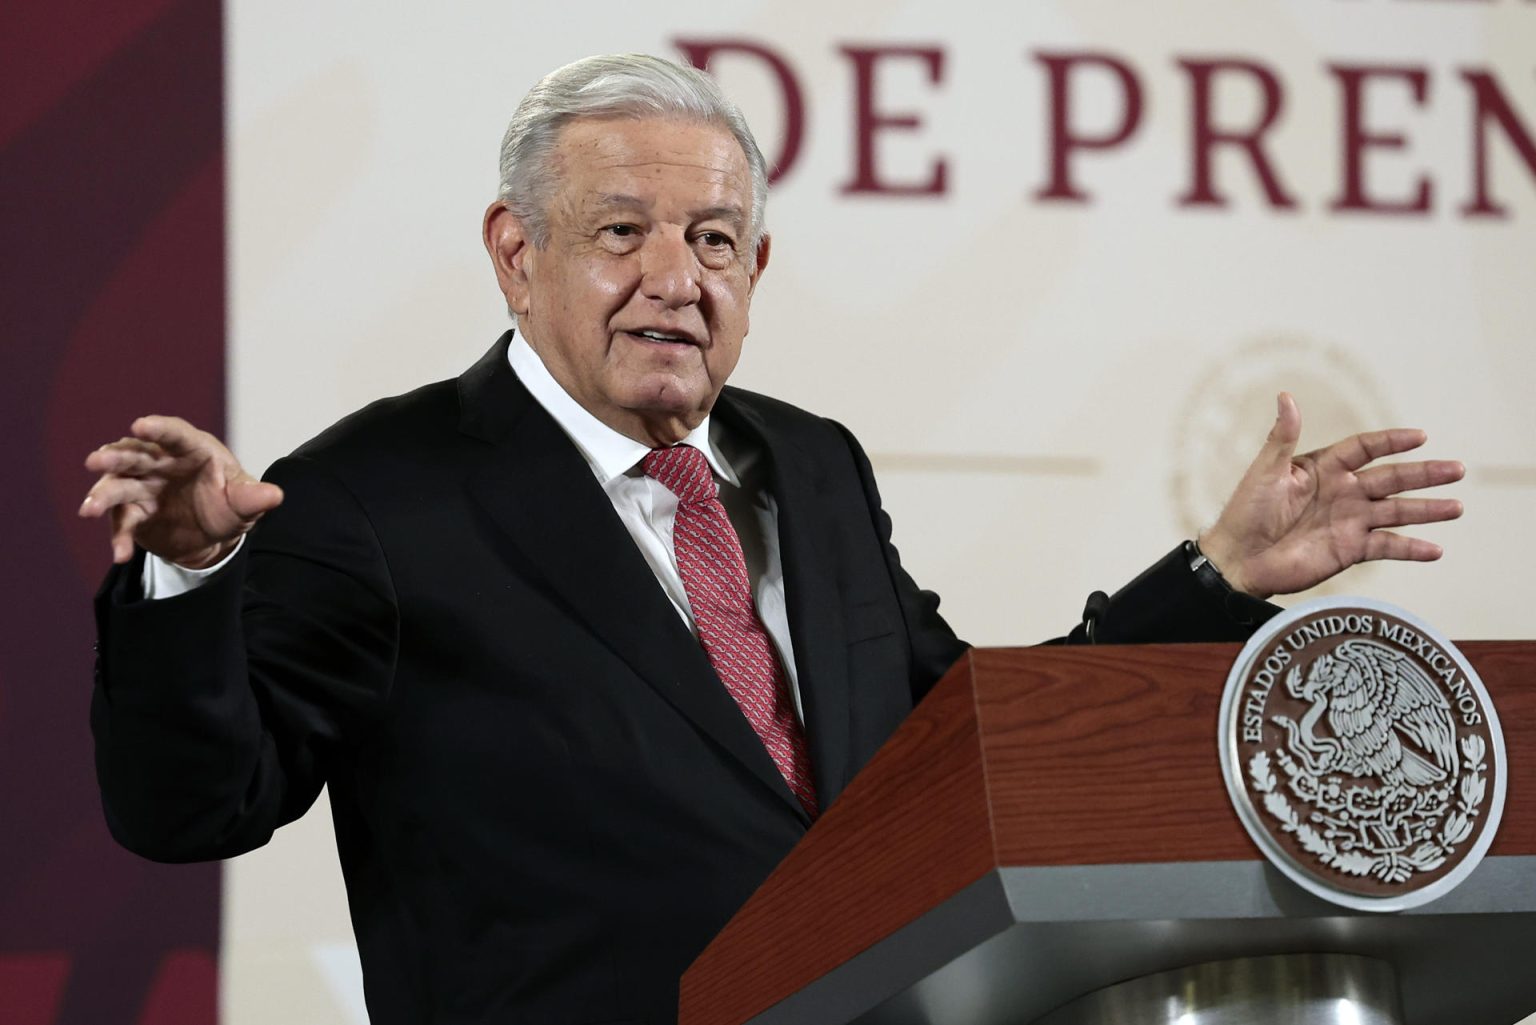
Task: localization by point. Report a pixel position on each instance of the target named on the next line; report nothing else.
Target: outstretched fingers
(1382, 481)
(1383, 544)
(1399, 512)
(1357, 450)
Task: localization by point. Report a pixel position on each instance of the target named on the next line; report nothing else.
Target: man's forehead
(651, 147)
(675, 168)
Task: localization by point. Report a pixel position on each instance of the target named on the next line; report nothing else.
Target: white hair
(618, 85)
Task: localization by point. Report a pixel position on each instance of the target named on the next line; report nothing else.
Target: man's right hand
(175, 491)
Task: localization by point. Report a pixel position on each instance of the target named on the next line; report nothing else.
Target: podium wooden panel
(1051, 820)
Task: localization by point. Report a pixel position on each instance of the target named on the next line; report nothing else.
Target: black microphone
(1098, 604)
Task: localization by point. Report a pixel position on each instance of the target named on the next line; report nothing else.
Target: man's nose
(669, 270)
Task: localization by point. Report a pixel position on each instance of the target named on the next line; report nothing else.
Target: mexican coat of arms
(1362, 753)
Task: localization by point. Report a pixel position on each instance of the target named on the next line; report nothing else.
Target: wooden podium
(1051, 821)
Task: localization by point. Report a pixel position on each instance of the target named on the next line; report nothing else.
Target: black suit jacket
(545, 802)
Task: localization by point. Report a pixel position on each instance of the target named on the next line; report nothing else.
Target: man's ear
(759, 262)
(509, 247)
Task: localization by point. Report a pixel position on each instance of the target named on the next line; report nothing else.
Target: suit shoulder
(389, 427)
(786, 419)
(827, 442)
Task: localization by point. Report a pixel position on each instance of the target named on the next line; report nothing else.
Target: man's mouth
(668, 337)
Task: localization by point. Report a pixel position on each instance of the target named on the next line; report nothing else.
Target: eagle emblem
(1357, 744)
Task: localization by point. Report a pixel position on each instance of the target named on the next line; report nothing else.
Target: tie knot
(682, 470)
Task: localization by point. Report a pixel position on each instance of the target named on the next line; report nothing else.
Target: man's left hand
(1296, 520)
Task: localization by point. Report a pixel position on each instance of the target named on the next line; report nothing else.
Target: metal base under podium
(1020, 943)
(1286, 989)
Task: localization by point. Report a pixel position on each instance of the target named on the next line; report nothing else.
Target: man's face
(638, 304)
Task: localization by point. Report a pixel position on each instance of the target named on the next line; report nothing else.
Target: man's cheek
(612, 279)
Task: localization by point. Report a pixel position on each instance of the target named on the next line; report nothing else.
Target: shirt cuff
(166, 579)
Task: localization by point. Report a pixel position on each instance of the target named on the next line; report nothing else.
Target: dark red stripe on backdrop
(111, 305)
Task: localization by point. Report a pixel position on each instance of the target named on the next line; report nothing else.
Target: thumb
(249, 498)
(1280, 446)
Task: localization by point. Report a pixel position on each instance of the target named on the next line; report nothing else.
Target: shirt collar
(609, 453)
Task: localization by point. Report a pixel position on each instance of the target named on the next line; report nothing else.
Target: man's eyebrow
(731, 213)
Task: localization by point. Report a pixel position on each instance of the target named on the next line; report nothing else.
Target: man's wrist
(163, 579)
(210, 557)
(1240, 605)
(1205, 571)
(1224, 563)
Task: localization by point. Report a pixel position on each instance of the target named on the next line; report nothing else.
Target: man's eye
(715, 239)
(621, 230)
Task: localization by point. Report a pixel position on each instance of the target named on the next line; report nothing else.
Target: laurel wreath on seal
(1389, 866)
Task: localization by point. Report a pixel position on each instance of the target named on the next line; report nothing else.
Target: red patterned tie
(715, 576)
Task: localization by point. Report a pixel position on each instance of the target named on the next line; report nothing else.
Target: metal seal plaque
(1362, 753)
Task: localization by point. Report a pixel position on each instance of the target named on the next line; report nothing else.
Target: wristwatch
(1242, 608)
(1204, 569)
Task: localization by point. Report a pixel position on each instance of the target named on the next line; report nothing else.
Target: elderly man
(583, 641)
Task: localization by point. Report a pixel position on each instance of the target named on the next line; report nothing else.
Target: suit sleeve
(1169, 604)
(217, 713)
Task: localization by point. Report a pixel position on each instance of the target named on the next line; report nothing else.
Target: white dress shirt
(646, 508)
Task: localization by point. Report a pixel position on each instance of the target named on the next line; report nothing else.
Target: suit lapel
(811, 593)
(539, 490)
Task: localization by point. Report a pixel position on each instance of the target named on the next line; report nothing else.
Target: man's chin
(670, 408)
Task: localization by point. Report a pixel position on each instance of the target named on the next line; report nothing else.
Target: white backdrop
(1053, 393)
